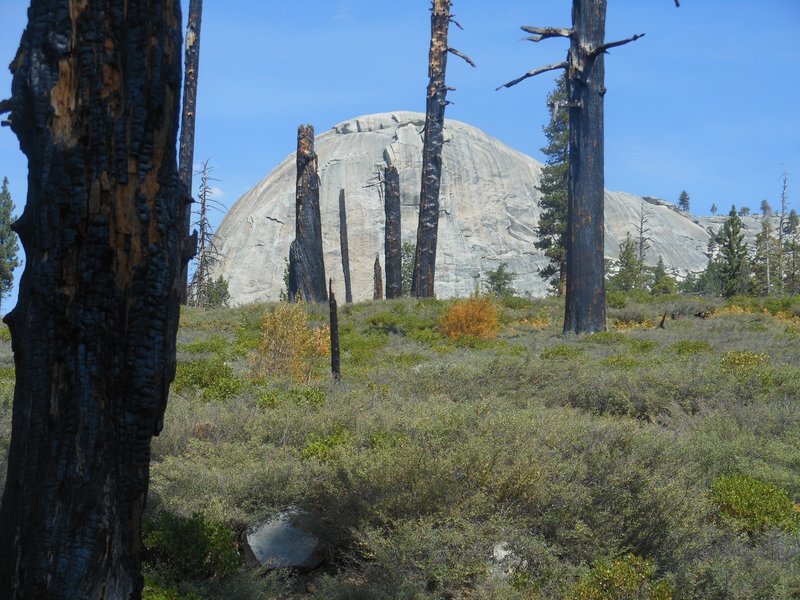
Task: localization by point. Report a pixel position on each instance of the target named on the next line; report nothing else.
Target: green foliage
(195, 547)
(734, 360)
(213, 377)
(156, 591)
(691, 347)
(5, 333)
(323, 448)
(216, 344)
(8, 243)
(683, 201)
(407, 251)
(565, 351)
(296, 395)
(734, 267)
(217, 295)
(748, 504)
(626, 578)
(630, 272)
(499, 282)
(553, 188)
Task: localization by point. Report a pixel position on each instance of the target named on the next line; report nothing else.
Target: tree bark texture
(585, 308)
(377, 280)
(345, 247)
(393, 258)
(95, 104)
(188, 114)
(306, 266)
(334, 317)
(428, 226)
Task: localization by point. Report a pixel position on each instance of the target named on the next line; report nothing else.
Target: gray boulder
(285, 541)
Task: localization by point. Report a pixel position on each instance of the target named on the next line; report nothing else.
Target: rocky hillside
(489, 212)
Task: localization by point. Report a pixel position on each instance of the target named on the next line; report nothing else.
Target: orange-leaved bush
(474, 317)
(288, 344)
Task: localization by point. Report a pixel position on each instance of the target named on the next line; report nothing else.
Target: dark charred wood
(663, 320)
(306, 265)
(345, 248)
(188, 118)
(95, 105)
(393, 258)
(585, 305)
(428, 226)
(336, 370)
(377, 280)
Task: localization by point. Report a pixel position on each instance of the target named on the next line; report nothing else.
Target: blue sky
(707, 101)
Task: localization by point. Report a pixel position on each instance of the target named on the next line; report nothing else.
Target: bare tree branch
(605, 47)
(678, 3)
(561, 65)
(462, 56)
(5, 106)
(456, 23)
(542, 33)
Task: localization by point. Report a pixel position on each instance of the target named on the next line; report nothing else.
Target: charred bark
(428, 226)
(393, 258)
(306, 265)
(334, 316)
(585, 304)
(377, 278)
(188, 114)
(345, 247)
(95, 104)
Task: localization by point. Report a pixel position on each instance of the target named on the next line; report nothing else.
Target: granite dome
(488, 201)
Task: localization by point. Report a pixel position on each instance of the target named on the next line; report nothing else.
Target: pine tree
(553, 189)
(713, 209)
(661, 282)
(629, 277)
(683, 201)
(8, 243)
(766, 257)
(792, 253)
(733, 256)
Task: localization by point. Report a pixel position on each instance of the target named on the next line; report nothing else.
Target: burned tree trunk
(585, 306)
(393, 258)
(306, 265)
(428, 226)
(191, 68)
(95, 103)
(348, 289)
(334, 316)
(377, 280)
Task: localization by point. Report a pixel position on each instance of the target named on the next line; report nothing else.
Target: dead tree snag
(306, 265)
(428, 226)
(188, 116)
(345, 248)
(585, 306)
(377, 280)
(334, 317)
(393, 258)
(95, 105)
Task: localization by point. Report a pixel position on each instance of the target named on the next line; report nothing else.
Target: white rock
(284, 541)
(489, 213)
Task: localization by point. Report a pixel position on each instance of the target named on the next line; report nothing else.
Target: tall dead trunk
(428, 227)
(334, 317)
(188, 114)
(345, 247)
(585, 305)
(306, 265)
(393, 258)
(95, 103)
(377, 279)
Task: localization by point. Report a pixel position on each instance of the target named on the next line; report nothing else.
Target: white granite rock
(489, 213)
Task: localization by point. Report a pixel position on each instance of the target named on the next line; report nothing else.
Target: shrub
(690, 347)
(751, 505)
(564, 351)
(190, 548)
(629, 577)
(155, 591)
(213, 377)
(216, 344)
(742, 359)
(471, 318)
(323, 448)
(5, 333)
(288, 345)
(299, 395)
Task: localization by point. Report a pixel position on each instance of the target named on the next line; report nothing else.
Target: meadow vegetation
(634, 463)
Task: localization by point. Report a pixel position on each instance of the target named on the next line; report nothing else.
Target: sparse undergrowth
(635, 463)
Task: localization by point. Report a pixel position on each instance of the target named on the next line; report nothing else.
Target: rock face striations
(488, 203)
